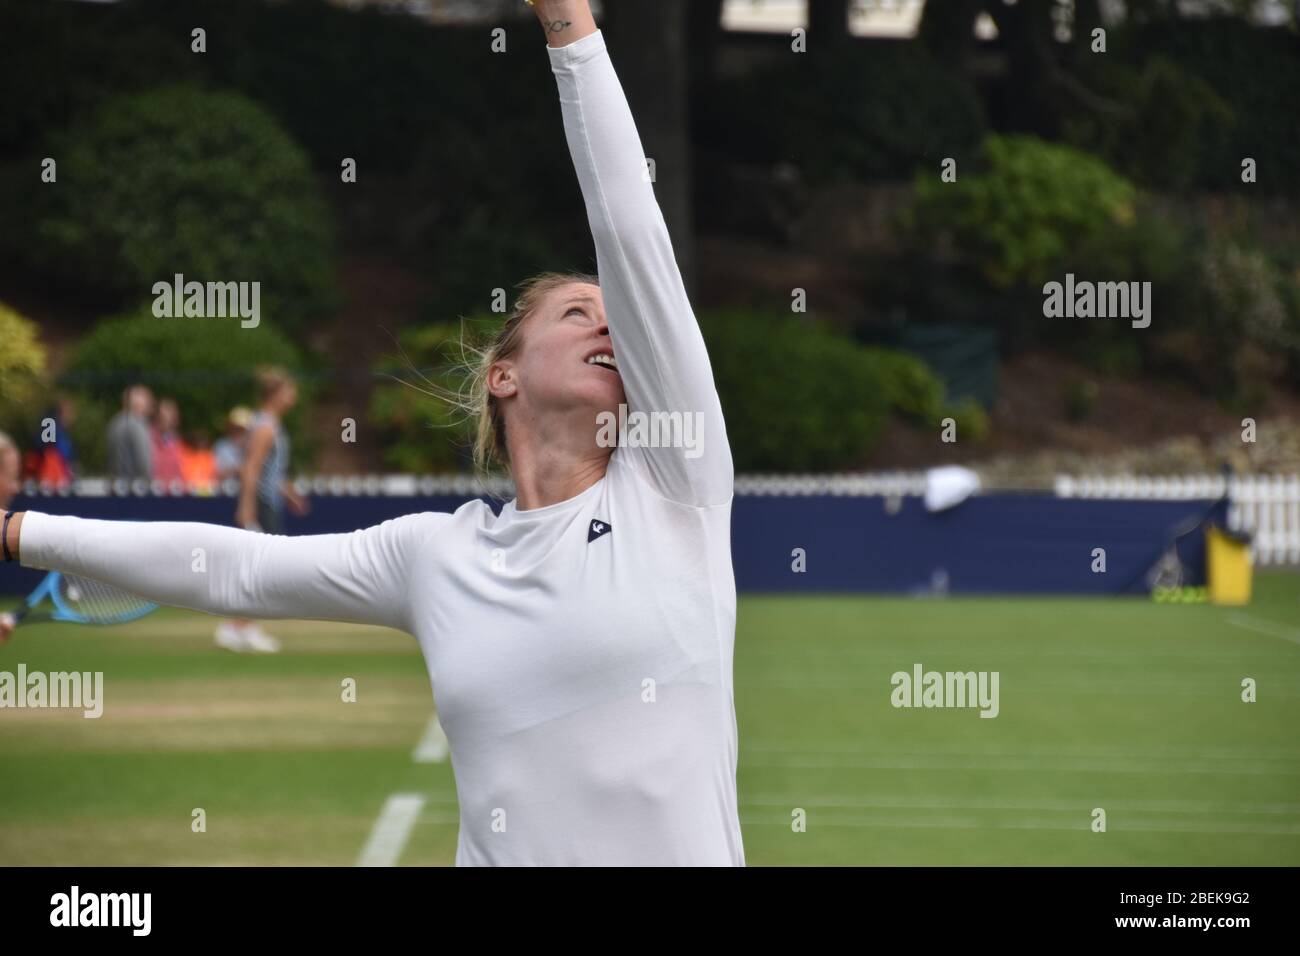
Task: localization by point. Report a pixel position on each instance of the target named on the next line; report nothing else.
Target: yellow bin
(1228, 557)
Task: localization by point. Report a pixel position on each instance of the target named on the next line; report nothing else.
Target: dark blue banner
(990, 544)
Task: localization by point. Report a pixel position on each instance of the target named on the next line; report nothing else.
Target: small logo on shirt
(597, 529)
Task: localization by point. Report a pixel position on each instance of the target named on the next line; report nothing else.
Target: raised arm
(657, 342)
(361, 577)
(565, 21)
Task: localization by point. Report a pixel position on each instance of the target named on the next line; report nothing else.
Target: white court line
(397, 818)
(391, 830)
(1145, 687)
(847, 762)
(1264, 627)
(432, 747)
(966, 750)
(1002, 805)
(963, 823)
(893, 655)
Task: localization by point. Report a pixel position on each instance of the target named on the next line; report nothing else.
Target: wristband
(4, 537)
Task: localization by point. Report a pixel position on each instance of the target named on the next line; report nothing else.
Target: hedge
(180, 180)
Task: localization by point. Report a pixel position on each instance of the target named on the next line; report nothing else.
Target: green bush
(1025, 206)
(909, 386)
(919, 396)
(206, 365)
(850, 114)
(1223, 317)
(184, 181)
(973, 423)
(796, 396)
(1235, 338)
(22, 371)
(1152, 246)
(1155, 247)
(90, 436)
(22, 359)
(1242, 293)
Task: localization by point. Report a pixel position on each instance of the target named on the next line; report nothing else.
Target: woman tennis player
(580, 643)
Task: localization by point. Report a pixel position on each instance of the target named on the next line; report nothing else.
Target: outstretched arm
(361, 578)
(657, 342)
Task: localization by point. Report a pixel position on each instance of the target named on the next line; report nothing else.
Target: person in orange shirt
(198, 464)
(51, 460)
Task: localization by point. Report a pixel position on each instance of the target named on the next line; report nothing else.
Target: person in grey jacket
(130, 449)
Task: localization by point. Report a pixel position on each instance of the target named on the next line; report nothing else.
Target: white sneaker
(231, 637)
(258, 640)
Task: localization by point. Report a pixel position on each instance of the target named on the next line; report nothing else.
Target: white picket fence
(1265, 506)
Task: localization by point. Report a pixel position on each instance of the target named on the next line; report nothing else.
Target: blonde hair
(270, 379)
(478, 404)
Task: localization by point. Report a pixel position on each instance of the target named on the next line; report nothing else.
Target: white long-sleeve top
(580, 653)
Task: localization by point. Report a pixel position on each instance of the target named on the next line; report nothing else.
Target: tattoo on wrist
(556, 26)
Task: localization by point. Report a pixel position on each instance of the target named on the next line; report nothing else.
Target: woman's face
(169, 416)
(556, 369)
(285, 397)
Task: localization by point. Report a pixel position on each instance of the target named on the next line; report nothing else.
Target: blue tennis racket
(78, 600)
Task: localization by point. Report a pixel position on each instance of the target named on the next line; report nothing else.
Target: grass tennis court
(1125, 705)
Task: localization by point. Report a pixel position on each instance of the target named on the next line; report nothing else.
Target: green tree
(1029, 203)
(180, 180)
(22, 368)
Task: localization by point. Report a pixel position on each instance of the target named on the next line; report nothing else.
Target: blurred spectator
(166, 439)
(51, 459)
(229, 451)
(10, 482)
(198, 464)
(130, 448)
(265, 490)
